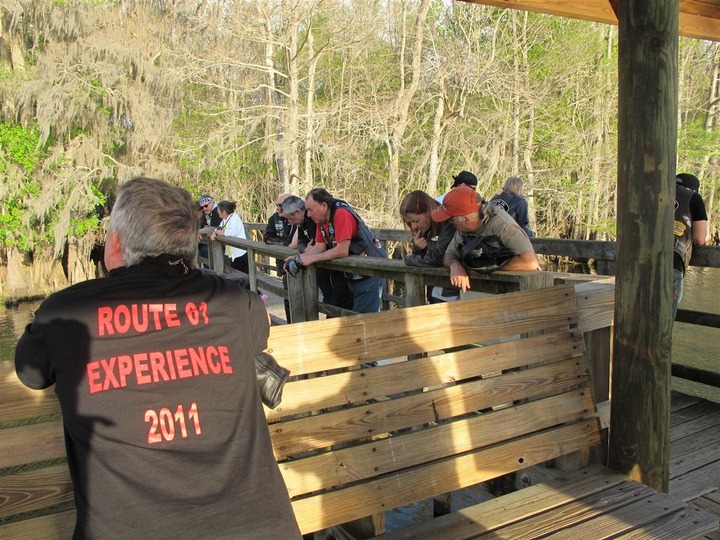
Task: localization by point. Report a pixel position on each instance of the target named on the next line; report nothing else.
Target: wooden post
(216, 256)
(647, 136)
(536, 280)
(252, 270)
(414, 290)
(303, 296)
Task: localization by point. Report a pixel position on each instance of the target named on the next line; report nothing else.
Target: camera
(293, 266)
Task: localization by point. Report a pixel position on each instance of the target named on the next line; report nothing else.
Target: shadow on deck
(695, 452)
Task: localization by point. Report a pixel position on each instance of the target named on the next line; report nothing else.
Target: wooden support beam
(647, 135)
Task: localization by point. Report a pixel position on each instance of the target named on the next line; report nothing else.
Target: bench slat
(690, 522)
(343, 342)
(36, 489)
(322, 430)
(596, 304)
(503, 510)
(386, 455)
(47, 441)
(376, 496)
(583, 517)
(58, 526)
(360, 385)
(578, 505)
(20, 402)
(641, 513)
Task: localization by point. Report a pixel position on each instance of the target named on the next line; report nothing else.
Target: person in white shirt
(232, 225)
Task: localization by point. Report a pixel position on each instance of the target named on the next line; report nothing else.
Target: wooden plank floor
(695, 452)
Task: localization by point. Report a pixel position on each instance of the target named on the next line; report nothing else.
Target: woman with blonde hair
(430, 239)
(513, 201)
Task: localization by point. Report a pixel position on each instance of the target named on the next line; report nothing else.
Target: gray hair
(514, 186)
(152, 218)
(292, 204)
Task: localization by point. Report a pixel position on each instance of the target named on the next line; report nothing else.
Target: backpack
(484, 254)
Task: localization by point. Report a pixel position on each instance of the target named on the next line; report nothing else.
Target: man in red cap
(473, 217)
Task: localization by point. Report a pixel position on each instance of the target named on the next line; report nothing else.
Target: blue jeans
(366, 294)
(678, 284)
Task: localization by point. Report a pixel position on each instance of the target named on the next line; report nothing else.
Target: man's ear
(113, 251)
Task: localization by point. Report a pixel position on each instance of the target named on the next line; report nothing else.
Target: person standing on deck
(209, 221)
(475, 218)
(513, 201)
(463, 178)
(341, 232)
(154, 369)
(233, 226)
(279, 232)
(430, 239)
(332, 283)
(690, 228)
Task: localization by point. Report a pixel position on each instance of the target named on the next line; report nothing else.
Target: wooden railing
(406, 285)
(602, 253)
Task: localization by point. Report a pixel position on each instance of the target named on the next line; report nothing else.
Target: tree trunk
(402, 105)
(434, 166)
(306, 183)
(289, 146)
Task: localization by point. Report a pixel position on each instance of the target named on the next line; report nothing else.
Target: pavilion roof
(698, 18)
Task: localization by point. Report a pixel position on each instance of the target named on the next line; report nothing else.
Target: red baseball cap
(459, 201)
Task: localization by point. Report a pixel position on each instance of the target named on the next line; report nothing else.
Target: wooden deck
(695, 452)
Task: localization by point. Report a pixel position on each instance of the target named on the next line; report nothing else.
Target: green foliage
(187, 99)
(15, 228)
(19, 145)
(698, 143)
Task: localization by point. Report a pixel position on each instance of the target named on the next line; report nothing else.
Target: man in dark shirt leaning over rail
(333, 284)
(154, 368)
(341, 232)
(473, 217)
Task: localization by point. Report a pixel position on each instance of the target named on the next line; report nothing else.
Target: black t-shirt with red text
(164, 428)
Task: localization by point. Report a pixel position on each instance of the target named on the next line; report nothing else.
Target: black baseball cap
(465, 177)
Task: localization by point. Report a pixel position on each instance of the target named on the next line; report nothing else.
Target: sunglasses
(207, 205)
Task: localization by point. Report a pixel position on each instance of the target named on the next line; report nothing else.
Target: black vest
(364, 243)
(682, 227)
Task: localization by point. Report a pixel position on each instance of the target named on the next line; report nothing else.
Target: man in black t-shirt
(154, 368)
(689, 228)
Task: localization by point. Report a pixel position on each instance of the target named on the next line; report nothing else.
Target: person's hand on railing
(459, 277)
(293, 265)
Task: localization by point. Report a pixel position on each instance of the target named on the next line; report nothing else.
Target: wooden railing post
(252, 270)
(414, 290)
(303, 295)
(536, 280)
(216, 256)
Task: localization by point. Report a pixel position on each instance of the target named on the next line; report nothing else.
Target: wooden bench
(466, 392)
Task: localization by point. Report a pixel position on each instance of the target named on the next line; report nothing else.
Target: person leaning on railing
(332, 283)
(430, 239)
(473, 218)
(341, 232)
